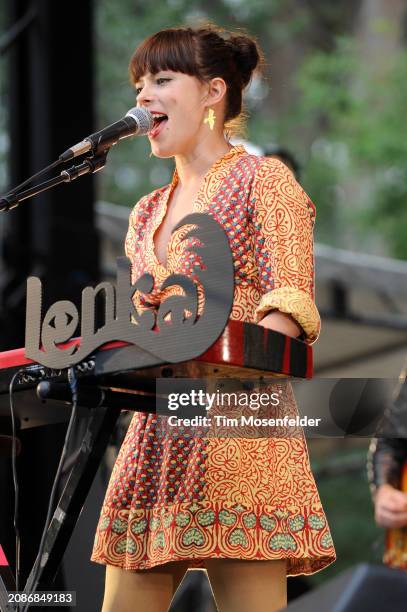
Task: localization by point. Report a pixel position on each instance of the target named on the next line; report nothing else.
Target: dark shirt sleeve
(388, 452)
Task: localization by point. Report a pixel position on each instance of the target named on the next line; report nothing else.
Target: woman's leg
(133, 590)
(239, 586)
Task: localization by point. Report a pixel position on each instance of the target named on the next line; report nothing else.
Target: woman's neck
(193, 167)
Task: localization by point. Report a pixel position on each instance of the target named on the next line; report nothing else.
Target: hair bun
(247, 56)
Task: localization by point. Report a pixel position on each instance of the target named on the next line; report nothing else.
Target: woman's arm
(281, 322)
(283, 219)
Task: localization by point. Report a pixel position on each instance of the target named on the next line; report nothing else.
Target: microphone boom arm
(88, 166)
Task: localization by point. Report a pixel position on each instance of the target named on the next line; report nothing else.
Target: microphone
(136, 122)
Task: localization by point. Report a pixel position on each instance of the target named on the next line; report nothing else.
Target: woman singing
(247, 510)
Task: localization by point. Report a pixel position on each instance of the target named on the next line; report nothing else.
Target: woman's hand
(281, 322)
(390, 507)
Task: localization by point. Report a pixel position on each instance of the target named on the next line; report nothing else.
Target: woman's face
(180, 99)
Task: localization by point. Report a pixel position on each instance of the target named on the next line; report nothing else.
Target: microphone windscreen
(143, 117)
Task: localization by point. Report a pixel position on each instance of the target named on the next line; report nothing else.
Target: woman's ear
(217, 91)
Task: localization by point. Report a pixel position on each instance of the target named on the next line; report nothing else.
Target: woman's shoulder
(274, 177)
(275, 169)
(265, 168)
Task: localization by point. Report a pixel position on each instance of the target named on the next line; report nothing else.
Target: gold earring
(211, 118)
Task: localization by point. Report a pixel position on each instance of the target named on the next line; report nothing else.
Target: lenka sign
(172, 339)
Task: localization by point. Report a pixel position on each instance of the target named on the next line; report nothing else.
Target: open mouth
(159, 121)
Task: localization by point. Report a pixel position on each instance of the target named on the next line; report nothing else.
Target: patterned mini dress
(189, 497)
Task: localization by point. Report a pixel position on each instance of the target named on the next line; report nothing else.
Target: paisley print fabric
(192, 497)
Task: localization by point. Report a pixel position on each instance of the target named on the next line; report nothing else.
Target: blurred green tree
(343, 121)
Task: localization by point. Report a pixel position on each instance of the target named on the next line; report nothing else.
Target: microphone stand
(90, 165)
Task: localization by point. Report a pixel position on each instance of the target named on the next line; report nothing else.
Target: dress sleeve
(283, 218)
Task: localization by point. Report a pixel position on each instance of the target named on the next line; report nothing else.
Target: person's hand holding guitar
(390, 507)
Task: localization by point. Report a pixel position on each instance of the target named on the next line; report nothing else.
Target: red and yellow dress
(189, 498)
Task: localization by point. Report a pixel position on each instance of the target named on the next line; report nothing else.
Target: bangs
(170, 49)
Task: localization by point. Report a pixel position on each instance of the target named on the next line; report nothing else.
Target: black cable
(73, 383)
(74, 389)
(15, 479)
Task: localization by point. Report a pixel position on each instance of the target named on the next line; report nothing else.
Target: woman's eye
(159, 81)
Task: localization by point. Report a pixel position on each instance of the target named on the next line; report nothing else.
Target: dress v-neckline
(170, 190)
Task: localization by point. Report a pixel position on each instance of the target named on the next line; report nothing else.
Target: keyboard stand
(101, 424)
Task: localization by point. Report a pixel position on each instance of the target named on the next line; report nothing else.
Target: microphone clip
(91, 164)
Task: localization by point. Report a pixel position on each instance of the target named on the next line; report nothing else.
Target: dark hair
(205, 52)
